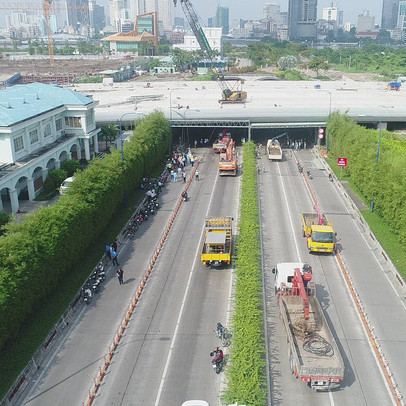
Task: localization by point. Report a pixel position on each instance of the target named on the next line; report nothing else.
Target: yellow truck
(319, 232)
(217, 245)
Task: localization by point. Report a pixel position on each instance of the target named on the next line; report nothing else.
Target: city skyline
(253, 10)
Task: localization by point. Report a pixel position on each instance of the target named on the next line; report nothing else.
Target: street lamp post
(329, 115)
(377, 153)
(170, 102)
(122, 149)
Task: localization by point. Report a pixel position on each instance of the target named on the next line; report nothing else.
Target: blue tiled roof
(22, 102)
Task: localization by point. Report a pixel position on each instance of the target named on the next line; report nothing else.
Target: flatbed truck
(313, 354)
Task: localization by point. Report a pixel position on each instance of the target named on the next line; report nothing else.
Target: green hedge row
(246, 374)
(35, 255)
(385, 180)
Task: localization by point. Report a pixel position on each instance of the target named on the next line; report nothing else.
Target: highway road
(283, 197)
(163, 357)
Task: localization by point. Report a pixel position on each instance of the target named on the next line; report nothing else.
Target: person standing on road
(195, 143)
(108, 253)
(184, 176)
(120, 276)
(197, 175)
(192, 161)
(114, 257)
(113, 245)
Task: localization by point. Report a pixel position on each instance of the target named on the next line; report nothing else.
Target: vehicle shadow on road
(324, 298)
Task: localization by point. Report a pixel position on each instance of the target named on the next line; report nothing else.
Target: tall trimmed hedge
(385, 180)
(35, 255)
(246, 374)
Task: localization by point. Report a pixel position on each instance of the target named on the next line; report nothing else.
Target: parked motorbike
(218, 359)
(87, 295)
(309, 175)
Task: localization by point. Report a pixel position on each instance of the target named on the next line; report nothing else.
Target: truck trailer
(313, 354)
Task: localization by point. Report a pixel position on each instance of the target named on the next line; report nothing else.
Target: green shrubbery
(54, 179)
(70, 167)
(246, 379)
(386, 181)
(36, 254)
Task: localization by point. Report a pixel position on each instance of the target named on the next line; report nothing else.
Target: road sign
(342, 161)
(321, 133)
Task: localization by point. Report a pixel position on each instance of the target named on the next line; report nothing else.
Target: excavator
(229, 94)
(228, 161)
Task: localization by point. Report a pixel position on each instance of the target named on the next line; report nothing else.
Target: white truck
(274, 150)
(313, 354)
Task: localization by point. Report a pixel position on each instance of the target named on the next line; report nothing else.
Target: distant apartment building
(271, 11)
(390, 10)
(99, 18)
(365, 22)
(213, 36)
(164, 10)
(330, 13)
(222, 19)
(401, 20)
(77, 12)
(271, 14)
(302, 19)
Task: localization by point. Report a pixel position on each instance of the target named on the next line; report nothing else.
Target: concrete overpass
(270, 104)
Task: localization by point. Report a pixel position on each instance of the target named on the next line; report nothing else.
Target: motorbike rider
(184, 195)
(330, 177)
(218, 356)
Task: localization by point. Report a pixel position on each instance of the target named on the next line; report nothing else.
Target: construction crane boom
(197, 29)
(47, 15)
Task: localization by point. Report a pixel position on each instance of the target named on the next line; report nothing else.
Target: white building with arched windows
(40, 127)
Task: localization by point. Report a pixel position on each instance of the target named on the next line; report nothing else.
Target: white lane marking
(168, 359)
(66, 335)
(367, 243)
(366, 334)
(290, 216)
(330, 395)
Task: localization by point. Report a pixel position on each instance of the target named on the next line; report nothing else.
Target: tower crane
(230, 94)
(46, 6)
(194, 22)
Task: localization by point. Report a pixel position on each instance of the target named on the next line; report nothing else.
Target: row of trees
(35, 255)
(246, 374)
(383, 60)
(385, 180)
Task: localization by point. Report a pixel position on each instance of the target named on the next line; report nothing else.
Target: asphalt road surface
(284, 197)
(163, 357)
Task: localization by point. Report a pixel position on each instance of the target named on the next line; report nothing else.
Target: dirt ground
(79, 67)
(75, 67)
